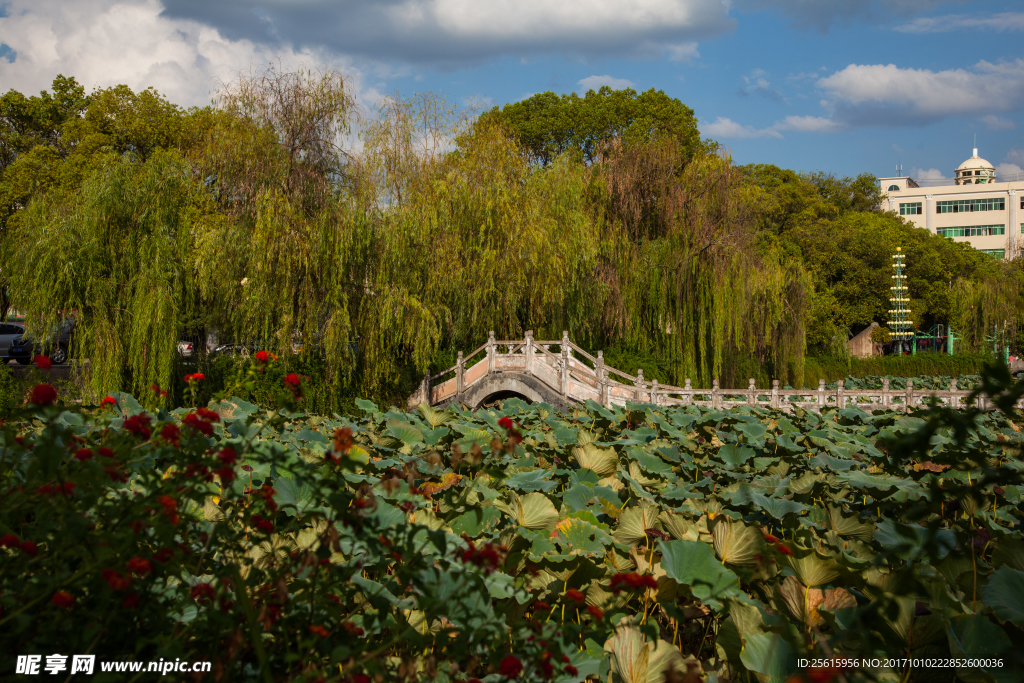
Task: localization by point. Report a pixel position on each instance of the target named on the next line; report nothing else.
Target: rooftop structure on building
(989, 218)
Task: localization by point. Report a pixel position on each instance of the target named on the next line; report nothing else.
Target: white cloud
(683, 52)
(822, 14)
(994, 122)
(876, 94)
(103, 43)
(809, 124)
(929, 174)
(595, 83)
(459, 32)
(1004, 21)
(1009, 172)
(727, 128)
(1015, 156)
(757, 84)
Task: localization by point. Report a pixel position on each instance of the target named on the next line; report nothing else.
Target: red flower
(197, 423)
(319, 630)
(632, 581)
(107, 453)
(194, 377)
(170, 433)
(294, 384)
(510, 667)
(541, 606)
(226, 474)
(350, 627)
(170, 508)
(42, 395)
(43, 362)
(68, 487)
(770, 539)
(208, 415)
(115, 580)
(139, 565)
(486, 556)
(360, 678)
(575, 595)
(261, 357)
(202, 590)
(138, 425)
(30, 548)
(9, 541)
(784, 549)
(227, 455)
(342, 440)
(505, 423)
(83, 454)
(108, 401)
(163, 555)
(596, 612)
(63, 599)
(131, 601)
(572, 670)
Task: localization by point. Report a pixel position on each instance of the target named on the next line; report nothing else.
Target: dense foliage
(451, 545)
(605, 215)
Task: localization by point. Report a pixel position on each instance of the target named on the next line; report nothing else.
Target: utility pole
(900, 323)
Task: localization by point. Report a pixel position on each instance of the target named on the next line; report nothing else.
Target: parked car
(186, 349)
(8, 333)
(58, 345)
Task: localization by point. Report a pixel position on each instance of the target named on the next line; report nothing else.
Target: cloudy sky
(843, 86)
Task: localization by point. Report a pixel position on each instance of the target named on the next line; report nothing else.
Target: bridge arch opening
(503, 396)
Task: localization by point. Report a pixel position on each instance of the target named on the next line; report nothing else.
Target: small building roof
(975, 162)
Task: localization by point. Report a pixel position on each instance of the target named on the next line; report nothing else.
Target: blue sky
(842, 86)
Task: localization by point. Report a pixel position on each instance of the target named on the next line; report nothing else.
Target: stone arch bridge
(561, 374)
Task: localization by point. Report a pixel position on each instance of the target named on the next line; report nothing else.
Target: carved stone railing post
(639, 393)
(460, 371)
(954, 400)
(688, 397)
(599, 373)
(752, 393)
(564, 381)
(822, 398)
(910, 396)
(840, 395)
(654, 392)
(886, 396)
(716, 400)
(492, 349)
(775, 394)
(529, 352)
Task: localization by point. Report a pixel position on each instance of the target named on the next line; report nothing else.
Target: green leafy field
(517, 543)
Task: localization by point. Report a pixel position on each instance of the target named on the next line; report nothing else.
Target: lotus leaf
(812, 568)
(693, 564)
(602, 460)
(1004, 593)
(803, 603)
(581, 537)
(636, 661)
(770, 655)
(535, 511)
(736, 543)
(634, 522)
(534, 480)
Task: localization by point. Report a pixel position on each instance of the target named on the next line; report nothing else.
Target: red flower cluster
(170, 507)
(227, 456)
(29, 548)
(107, 452)
(9, 541)
(595, 612)
(318, 630)
(487, 556)
(263, 357)
(42, 395)
(163, 555)
(42, 362)
(342, 440)
(140, 566)
(116, 473)
(115, 579)
(157, 391)
(131, 601)
(63, 599)
(170, 433)
(201, 591)
(194, 377)
(294, 384)
(510, 667)
(139, 425)
(83, 454)
(633, 581)
(351, 628)
(506, 423)
(108, 401)
(264, 525)
(202, 420)
(267, 492)
(49, 490)
(575, 595)
(541, 606)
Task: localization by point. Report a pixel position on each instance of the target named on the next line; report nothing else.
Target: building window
(998, 253)
(910, 209)
(972, 231)
(967, 205)
(1022, 202)
(896, 188)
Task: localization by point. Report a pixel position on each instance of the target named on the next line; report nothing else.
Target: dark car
(8, 333)
(58, 345)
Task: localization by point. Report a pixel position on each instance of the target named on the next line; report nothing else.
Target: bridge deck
(572, 376)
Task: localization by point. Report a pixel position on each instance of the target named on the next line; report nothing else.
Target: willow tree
(690, 277)
(273, 264)
(114, 255)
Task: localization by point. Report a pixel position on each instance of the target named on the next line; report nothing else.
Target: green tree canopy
(548, 125)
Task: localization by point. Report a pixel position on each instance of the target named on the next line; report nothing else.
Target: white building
(989, 218)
